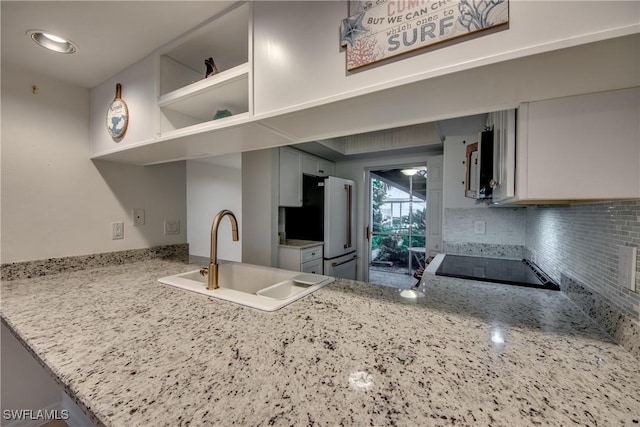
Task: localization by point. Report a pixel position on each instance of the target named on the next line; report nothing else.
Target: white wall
(139, 92)
(214, 184)
(260, 177)
(298, 42)
(55, 201)
(355, 171)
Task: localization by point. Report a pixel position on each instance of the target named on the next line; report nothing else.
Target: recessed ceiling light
(52, 41)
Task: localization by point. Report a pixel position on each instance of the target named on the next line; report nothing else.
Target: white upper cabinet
(293, 164)
(316, 166)
(578, 148)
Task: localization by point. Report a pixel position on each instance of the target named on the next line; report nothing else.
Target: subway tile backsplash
(502, 226)
(582, 241)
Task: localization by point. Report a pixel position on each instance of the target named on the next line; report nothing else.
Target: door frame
(367, 212)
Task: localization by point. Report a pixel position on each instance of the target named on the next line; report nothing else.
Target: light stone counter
(300, 244)
(134, 352)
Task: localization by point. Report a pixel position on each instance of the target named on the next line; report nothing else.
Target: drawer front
(310, 254)
(314, 267)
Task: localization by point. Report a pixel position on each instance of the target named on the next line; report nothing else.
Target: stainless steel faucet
(212, 280)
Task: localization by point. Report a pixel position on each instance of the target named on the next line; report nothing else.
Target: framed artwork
(379, 29)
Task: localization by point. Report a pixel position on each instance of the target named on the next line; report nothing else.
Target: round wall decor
(117, 115)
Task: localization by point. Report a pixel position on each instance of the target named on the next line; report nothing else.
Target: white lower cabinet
(314, 267)
(306, 260)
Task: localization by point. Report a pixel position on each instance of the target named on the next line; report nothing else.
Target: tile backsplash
(496, 226)
(579, 240)
(582, 241)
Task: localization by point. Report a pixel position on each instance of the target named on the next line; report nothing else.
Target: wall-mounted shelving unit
(198, 103)
(186, 96)
(186, 101)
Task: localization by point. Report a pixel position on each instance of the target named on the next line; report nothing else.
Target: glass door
(397, 225)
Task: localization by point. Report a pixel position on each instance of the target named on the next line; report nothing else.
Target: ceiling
(416, 184)
(110, 35)
(424, 138)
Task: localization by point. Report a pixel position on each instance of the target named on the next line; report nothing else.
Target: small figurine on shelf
(221, 114)
(211, 68)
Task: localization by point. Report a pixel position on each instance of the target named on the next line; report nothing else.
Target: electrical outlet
(138, 216)
(117, 230)
(171, 227)
(479, 227)
(627, 267)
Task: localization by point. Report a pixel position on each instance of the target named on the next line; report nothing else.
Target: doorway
(396, 234)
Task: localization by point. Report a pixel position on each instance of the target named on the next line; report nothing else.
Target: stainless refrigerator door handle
(335, 264)
(347, 188)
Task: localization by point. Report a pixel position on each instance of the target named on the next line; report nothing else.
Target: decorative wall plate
(117, 115)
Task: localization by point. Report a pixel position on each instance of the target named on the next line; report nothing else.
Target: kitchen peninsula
(132, 351)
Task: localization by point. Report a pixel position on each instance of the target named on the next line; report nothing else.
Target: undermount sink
(264, 288)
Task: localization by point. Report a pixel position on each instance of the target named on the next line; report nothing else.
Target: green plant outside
(393, 241)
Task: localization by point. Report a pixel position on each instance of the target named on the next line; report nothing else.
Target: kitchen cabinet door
(308, 260)
(325, 168)
(316, 166)
(309, 165)
(504, 151)
(577, 148)
(584, 147)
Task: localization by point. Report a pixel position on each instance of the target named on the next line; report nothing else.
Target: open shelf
(200, 100)
(206, 126)
(186, 98)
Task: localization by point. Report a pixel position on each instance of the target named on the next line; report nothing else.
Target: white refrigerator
(340, 259)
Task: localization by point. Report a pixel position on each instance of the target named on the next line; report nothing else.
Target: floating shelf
(200, 100)
(209, 126)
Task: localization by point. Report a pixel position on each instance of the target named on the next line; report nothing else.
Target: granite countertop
(131, 351)
(300, 244)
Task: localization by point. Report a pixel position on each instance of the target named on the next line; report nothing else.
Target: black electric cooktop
(496, 270)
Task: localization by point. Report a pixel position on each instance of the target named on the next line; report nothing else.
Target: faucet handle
(204, 271)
